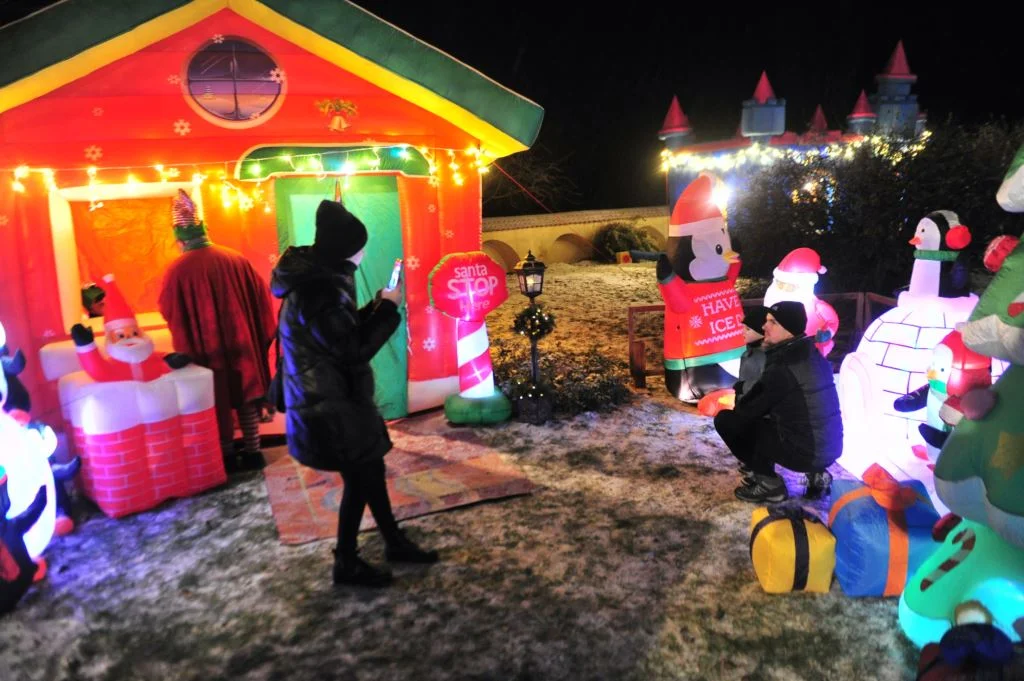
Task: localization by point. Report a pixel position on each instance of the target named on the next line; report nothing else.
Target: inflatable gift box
(791, 550)
(142, 443)
(883, 530)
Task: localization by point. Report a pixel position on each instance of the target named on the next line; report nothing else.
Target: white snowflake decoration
(272, 258)
(97, 111)
(218, 38)
(182, 127)
(93, 153)
(429, 309)
(449, 234)
(4, 220)
(277, 75)
(412, 262)
(429, 344)
(174, 79)
(696, 321)
(49, 333)
(431, 208)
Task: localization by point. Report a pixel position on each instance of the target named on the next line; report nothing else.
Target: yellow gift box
(791, 550)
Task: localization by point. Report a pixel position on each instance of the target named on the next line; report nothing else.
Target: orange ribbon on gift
(895, 498)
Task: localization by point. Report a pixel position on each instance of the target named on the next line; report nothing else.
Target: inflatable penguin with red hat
(703, 313)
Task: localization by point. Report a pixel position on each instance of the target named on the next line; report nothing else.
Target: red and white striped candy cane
(967, 539)
(476, 378)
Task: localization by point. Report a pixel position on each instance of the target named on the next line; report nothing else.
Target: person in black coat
(326, 345)
(789, 417)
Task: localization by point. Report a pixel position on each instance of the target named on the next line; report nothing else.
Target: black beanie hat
(755, 318)
(790, 315)
(339, 234)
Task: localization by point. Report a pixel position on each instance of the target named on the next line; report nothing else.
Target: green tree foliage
(860, 212)
(620, 236)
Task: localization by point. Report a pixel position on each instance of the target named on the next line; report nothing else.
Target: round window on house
(234, 83)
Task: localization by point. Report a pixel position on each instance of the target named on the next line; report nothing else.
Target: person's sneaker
(747, 474)
(818, 485)
(764, 488)
(401, 549)
(354, 571)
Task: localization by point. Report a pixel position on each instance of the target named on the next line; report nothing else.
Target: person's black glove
(82, 335)
(177, 360)
(664, 269)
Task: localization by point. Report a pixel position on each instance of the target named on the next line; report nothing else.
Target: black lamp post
(530, 272)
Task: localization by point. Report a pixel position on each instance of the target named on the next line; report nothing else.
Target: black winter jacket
(326, 347)
(797, 392)
(751, 367)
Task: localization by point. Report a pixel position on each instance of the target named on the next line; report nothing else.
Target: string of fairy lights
(758, 154)
(342, 163)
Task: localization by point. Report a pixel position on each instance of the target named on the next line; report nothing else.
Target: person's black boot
(401, 549)
(252, 461)
(765, 488)
(352, 570)
(818, 485)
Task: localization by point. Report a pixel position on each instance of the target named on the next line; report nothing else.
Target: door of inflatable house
(374, 200)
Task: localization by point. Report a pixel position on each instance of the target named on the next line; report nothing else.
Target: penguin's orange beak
(731, 257)
(931, 375)
(915, 241)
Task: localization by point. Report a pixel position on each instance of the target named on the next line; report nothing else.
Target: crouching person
(790, 417)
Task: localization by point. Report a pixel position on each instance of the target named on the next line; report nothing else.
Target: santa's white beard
(992, 337)
(705, 269)
(131, 350)
(774, 294)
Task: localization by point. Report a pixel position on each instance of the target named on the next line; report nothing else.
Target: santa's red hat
(116, 314)
(800, 267)
(696, 210)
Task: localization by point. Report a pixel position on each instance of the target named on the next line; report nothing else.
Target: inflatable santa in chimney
(130, 349)
(795, 278)
(144, 433)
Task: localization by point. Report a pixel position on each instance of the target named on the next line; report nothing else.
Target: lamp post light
(530, 273)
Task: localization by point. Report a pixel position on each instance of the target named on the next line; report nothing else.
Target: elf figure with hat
(794, 279)
(130, 350)
(703, 313)
(219, 312)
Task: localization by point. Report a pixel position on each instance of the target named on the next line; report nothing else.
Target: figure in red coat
(130, 350)
(219, 312)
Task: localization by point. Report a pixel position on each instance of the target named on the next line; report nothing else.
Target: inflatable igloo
(894, 354)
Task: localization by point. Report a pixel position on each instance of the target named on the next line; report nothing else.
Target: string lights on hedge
(758, 154)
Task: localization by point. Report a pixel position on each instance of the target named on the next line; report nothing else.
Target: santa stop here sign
(467, 286)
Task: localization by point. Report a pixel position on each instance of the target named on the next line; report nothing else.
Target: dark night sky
(606, 76)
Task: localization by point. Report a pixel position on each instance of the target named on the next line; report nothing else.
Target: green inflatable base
(473, 410)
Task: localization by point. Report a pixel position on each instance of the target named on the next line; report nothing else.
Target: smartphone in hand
(396, 272)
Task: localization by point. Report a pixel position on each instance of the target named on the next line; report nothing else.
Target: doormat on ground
(432, 468)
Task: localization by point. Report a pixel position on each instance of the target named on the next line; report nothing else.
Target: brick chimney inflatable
(703, 313)
(144, 426)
